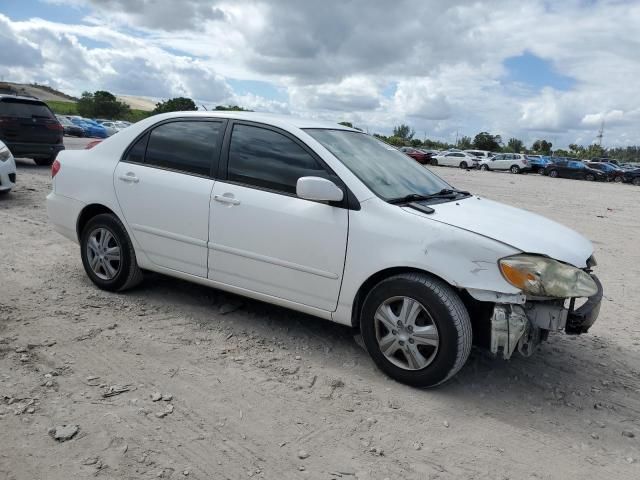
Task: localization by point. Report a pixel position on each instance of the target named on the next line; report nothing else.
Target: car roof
(276, 120)
(20, 97)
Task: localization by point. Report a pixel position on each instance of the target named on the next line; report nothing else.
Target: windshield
(389, 173)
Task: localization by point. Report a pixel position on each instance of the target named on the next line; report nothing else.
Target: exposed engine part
(547, 316)
(529, 340)
(508, 324)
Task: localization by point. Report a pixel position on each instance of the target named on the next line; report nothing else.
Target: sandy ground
(249, 386)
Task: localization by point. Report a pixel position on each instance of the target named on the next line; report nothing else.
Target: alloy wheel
(406, 333)
(103, 253)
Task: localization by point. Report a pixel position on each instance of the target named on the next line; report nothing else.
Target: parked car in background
(538, 162)
(575, 169)
(418, 155)
(613, 172)
(91, 129)
(481, 154)
(7, 170)
(122, 124)
(110, 127)
(456, 158)
(69, 127)
(604, 160)
(632, 176)
(29, 129)
(513, 162)
(365, 237)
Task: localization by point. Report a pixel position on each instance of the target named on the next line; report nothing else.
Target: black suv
(30, 129)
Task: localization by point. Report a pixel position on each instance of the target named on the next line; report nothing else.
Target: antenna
(600, 134)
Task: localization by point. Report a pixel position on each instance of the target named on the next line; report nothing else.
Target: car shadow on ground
(579, 372)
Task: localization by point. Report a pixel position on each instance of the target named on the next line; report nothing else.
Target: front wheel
(636, 181)
(553, 174)
(434, 162)
(416, 329)
(617, 179)
(590, 177)
(514, 169)
(107, 254)
(484, 168)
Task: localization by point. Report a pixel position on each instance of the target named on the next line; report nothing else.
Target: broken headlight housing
(545, 277)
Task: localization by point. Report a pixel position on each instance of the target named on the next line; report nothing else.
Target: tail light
(55, 168)
(55, 126)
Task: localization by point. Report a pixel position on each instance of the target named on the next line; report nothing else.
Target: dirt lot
(249, 386)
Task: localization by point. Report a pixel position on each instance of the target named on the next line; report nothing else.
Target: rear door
(263, 237)
(163, 186)
(28, 121)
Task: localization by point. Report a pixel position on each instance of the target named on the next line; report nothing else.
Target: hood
(517, 228)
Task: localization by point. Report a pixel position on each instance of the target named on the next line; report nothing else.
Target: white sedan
(7, 170)
(329, 221)
(456, 159)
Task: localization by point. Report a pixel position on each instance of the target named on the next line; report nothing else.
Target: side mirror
(319, 189)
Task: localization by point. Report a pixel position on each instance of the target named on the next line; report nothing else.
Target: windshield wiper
(415, 197)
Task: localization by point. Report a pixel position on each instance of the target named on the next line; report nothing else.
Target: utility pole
(600, 134)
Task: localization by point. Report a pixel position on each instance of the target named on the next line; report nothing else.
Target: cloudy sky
(530, 69)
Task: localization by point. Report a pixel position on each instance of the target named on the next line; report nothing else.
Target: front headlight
(5, 154)
(545, 277)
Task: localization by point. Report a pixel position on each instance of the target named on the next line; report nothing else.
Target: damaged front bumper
(524, 326)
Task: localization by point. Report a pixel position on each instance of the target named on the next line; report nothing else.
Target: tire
(127, 273)
(441, 313)
(636, 181)
(589, 177)
(515, 169)
(617, 179)
(553, 173)
(484, 168)
(463, 164)
(44, 162)
(434, 162)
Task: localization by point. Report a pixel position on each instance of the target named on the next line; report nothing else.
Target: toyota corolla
(326, 220)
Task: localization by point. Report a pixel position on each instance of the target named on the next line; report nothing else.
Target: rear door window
(265, 158)
(185, 146)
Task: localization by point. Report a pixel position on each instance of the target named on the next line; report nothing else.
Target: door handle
(129, 178)
(226, 198)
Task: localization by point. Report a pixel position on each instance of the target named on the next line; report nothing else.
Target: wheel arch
(88, 212)
(378, 277)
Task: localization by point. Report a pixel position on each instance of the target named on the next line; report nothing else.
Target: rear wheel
(416, 329)
(553, 173)
(44, 161)
(107, 254)
(617, 179)
(590, 177)
(463, 164)
(514, 169)
(434, 162)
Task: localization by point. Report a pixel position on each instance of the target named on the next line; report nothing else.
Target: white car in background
(456, 158)
(111, 127)
(329, 221)
(7, 170)
(480, 154)
(513, 162)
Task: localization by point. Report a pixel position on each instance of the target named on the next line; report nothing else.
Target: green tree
(102, 104)
(395, 140)
(465, 143)
(416, 142)
(542, 147)
(177, 104)
(561, 153)
(486, 141)
(515, 145)
(232, 108)
(405, 132)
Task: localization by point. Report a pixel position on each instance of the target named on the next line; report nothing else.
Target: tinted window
(136, 152)
(18, 108)
(576, 165)
(187, 146)
(265, 158)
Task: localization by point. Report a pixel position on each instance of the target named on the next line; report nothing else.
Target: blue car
(91, 128)
(538, 162)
